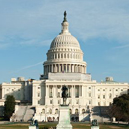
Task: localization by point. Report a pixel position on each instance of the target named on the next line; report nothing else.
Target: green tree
(9, 107)
(120, 108)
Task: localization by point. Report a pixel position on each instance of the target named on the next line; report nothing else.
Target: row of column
(64, 55)
(73, 91)
(72, 68)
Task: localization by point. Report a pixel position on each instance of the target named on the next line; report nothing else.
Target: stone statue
(94, 122)
(64, 94)
(34, 123)
(65, 20)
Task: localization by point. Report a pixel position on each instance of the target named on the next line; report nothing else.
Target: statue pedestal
(33, 127)
(94, 127)
(64, 118)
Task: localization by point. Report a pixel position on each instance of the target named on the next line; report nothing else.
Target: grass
(75, 126)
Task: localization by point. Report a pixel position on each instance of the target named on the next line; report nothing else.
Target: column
(47, 91)
(66, 68)
(56, 55)
(72, 92)
(84, 69)
(59, 68)
(80, 90)
(69, 68)
(74, 68)
(54, 91)
(81, 69)
(63, 67)
(83, 91)
(49, 68)
(55, 67)
(52, 68)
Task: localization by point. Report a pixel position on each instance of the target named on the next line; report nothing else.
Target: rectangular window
(103, 96)
(89, 94)
(38, 94)
(50, 101)
(98, 96)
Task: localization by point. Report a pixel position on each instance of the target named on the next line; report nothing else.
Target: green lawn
(75, 126)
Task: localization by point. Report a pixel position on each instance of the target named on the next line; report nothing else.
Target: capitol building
(41, 99)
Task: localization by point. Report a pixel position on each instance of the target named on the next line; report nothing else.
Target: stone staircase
(100, 113)
(23, 113)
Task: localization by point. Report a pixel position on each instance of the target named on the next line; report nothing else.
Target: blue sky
(27, 28)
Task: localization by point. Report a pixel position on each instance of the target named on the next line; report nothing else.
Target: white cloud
(88, 19)
(3, 46)
(27, 67)
(122, 46)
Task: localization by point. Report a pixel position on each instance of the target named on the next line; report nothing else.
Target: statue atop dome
(65, 20)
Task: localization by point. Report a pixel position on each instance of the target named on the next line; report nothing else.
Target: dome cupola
(65, 54)
(65, 39)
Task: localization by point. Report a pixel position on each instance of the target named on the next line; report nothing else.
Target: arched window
(50, 111)
(56, 111)
(76, 111)
(43, 111)
(83, 111)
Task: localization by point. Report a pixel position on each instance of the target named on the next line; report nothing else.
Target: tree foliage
(9, 106)
(120, 108)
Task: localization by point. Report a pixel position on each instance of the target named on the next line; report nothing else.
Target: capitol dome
(65, 54)
(65, 40)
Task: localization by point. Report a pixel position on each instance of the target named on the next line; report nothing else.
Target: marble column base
(33, 127)
(94, 127)
(64, 119)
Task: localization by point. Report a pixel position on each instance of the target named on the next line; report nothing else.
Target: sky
(27, 28)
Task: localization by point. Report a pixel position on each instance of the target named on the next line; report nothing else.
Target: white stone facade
(19, 88)
(64, 66)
